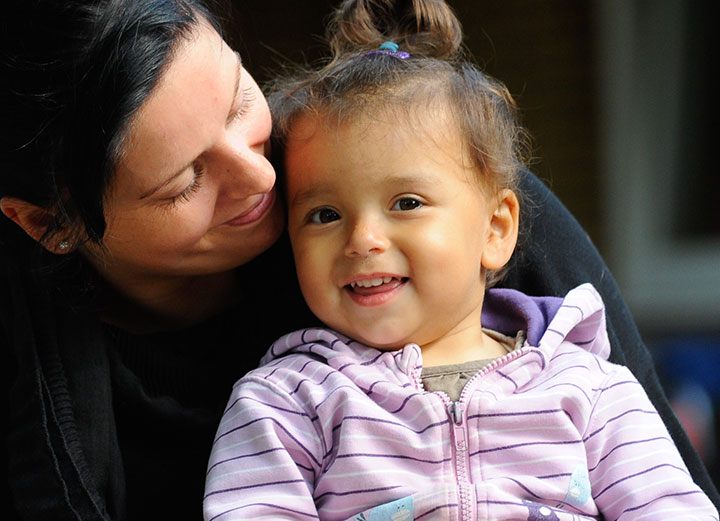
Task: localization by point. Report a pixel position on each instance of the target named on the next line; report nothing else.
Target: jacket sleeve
(264, 459)
(636, 472)
(542, 266)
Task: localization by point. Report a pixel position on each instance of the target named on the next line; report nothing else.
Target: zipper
(457, 414)
(492, 366)
(456, 411)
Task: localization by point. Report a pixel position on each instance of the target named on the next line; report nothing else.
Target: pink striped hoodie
(330, 429)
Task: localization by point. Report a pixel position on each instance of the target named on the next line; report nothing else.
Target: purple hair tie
(391, 49)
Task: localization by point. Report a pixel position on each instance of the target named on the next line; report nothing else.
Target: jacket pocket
(398, 510)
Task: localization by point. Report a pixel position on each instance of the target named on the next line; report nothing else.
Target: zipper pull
(456, 412)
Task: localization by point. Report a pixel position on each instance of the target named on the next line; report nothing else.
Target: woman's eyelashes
(246, 104)
(192, 188)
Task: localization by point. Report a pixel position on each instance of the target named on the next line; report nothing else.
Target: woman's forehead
(187, 108)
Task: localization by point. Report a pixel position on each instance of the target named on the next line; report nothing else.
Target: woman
(143, 242)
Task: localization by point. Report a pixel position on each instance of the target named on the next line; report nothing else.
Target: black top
(103, 424)
(169, 391)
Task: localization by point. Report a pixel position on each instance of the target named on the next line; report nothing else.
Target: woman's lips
(255, 212)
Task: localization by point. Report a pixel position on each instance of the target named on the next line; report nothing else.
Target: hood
(578, 318)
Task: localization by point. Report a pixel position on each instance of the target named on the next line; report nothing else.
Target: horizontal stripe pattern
(329, 428)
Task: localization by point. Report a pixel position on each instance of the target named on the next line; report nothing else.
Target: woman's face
(193, 193)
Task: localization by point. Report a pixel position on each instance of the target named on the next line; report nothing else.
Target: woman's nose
(366, 238)
(243, 168)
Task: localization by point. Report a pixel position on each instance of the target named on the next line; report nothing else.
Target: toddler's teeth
(370, 283)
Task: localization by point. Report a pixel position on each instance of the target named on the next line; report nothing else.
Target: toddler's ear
(503, 231)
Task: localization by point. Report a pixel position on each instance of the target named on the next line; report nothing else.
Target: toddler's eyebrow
(417, 179)
(309, 194)
(401, 181)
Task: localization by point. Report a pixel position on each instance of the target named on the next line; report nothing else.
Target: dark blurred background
(617, 96)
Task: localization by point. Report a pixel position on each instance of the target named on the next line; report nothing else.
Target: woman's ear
(34, 220)
(503, 231)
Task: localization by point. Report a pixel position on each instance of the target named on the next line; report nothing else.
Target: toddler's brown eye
(406, 204)
(323, 215)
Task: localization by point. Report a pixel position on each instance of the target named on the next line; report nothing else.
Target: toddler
(428, 396)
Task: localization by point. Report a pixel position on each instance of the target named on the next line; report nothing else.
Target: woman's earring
(64, 245)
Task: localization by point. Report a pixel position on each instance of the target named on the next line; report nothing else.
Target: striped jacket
(330, 429)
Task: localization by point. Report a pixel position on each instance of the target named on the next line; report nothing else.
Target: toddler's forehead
(365, 138)
(414, 121)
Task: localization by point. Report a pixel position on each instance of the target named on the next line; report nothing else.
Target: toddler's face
(390, 229)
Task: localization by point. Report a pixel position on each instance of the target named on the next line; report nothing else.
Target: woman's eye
(323, 215)
(194, 186)
(406, 203)
(246, 105)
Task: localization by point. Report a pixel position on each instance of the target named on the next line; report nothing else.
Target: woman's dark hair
(437, 75)
(74, 73)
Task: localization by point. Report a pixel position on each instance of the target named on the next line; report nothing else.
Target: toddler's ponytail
(421, 27)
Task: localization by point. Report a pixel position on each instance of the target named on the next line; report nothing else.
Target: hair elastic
(390, 49)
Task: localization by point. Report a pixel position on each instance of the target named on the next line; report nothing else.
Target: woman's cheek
(192, 226)
(176, 231)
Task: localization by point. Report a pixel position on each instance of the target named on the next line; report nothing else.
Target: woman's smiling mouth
(254, 213)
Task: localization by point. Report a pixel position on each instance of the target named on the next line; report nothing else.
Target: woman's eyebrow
(238, 77)
(166, 182)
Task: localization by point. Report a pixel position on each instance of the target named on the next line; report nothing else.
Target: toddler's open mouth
(375, 285)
